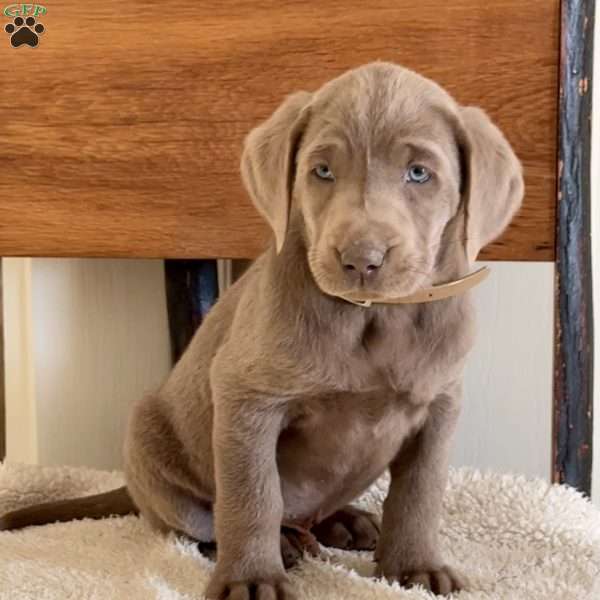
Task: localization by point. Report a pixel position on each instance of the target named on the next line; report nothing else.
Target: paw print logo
(24, 32)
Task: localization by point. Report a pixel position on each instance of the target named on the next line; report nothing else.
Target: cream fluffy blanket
(517, 539)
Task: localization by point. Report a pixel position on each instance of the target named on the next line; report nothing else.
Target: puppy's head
(380, 165)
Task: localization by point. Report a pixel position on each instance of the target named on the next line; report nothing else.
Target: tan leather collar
(436, 292)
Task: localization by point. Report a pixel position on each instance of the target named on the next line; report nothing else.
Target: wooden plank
(574, 348)
(120, 135)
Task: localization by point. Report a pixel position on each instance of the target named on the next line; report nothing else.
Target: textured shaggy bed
(517, 539)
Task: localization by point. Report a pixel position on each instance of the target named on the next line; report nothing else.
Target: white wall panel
(98, 341)
(507, 416)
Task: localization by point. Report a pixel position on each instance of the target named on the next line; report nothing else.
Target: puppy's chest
(335, 446)
(413, 356)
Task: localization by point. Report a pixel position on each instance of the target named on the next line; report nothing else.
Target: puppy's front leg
(249, 507)
(408, 549)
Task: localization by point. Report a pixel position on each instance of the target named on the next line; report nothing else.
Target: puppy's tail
(114, 503)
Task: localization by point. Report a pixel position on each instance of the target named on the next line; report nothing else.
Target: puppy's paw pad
(349, 529)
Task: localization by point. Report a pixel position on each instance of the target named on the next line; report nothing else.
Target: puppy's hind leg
(294, 542)
(174, 509)
(195, 520)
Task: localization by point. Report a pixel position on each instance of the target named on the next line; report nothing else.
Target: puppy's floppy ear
(493, 185)
(268, 162)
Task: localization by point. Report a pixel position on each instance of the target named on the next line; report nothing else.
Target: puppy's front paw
(258, 589)
(442, 581)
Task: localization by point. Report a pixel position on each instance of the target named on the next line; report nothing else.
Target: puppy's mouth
(385, 279)
(392, 279)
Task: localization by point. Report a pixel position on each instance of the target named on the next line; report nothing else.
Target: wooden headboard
(121, 132)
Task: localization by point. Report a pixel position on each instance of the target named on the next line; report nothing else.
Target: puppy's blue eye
(324, 172)
(418, 174)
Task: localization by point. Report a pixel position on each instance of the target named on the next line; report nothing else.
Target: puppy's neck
(298, 292)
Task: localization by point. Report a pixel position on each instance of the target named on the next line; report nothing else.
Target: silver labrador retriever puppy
(291, 399)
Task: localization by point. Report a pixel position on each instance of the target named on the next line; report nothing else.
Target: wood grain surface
(120, 133)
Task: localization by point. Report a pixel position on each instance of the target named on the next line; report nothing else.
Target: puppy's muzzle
(362, 260)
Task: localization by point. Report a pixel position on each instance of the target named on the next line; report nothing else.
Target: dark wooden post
(573, 366)
(2, 380)
(192, 288)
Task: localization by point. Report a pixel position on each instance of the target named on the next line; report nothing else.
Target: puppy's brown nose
(362, 258)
